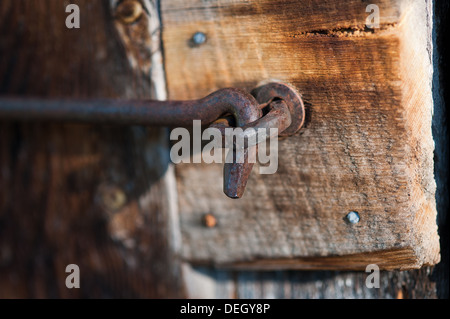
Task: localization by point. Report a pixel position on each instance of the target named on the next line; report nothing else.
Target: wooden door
(108, 199)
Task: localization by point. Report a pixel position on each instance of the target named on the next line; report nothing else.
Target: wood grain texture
(31, 254)
(367, 145)
(90, 195)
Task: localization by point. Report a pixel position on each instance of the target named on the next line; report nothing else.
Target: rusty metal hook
(244, 107)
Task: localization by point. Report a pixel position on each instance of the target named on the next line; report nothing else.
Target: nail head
(199, 38)
(353, 217)
(129, 11)
(113, 198)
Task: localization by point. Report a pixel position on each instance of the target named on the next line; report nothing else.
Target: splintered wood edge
(416, 66)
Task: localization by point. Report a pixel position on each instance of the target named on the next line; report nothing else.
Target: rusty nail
(129, 11)
(209, 220)
(112, 197)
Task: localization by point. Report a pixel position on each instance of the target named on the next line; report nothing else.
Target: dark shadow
(441, 36)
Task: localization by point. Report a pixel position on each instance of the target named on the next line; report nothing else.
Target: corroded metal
(240, 104)
(283, 107)
(277, 117)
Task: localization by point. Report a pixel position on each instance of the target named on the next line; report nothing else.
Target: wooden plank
(367, 145)
(212, 283)
(89, 195)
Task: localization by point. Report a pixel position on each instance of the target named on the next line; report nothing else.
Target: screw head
(199, 38)
(353, 217)
(112, 197)
(129, 11)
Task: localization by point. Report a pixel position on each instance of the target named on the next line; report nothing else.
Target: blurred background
(99, 196)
